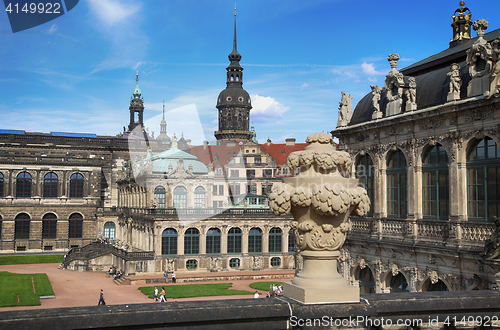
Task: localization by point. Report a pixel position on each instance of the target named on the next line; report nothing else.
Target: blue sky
(77, 72)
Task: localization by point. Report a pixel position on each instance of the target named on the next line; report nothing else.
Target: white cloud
(369, 69)
(111, 12)
(304, 86)
(52, 29)
(266, 108)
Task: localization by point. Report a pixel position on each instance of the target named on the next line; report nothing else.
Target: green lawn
(20, 284)
(194, 290)
(32, 259)
(264, 286)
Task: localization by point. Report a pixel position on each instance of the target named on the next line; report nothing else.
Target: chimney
(290, 142)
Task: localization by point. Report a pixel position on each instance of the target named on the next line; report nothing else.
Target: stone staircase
(122, 281)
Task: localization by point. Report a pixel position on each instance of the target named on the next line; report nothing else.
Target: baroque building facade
(426, 147)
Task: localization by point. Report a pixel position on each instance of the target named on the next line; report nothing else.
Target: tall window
(180, 197)
(76, 185)
(22, 230)
(234, 241)
(192, 242)
(50, 185)
(1, 184)
(255, 241)
(365, 172)
(49, 226)
(396, 185)
(169, 242)
(159, 197)
(275, 238)
(213, 241)
(366, 281)
(483, 179)
(110, 230)
(199, 197)
(23, 185)
(75, 225)
(398, 283)
(291, 241)
(435, 183)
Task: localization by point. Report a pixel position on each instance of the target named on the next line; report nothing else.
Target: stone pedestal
(478, 85)
(377, 115)
(452, 96)
(393, 107)
(319, 282)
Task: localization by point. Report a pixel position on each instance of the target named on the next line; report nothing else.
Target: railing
(465, 233)
(97, 249)
(197, 212)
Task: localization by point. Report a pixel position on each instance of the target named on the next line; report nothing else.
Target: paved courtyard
(73, 289)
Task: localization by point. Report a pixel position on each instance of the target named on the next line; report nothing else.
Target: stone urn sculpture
(321, 198)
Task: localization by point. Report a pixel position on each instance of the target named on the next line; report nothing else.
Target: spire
(462, 21)
(235, 57)
(234, 41)
(163, 123)
(137, 90)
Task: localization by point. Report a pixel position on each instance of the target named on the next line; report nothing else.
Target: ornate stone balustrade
(422, 232)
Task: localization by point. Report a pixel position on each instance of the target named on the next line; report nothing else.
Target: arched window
(438, 286)
(199, 197)
(396, 185)
(255, 240)
(483, 180)
(169, 242)
(398, 283)
(49, 226)
(50, 185)
(435, 183)
(192, 242)
(23, 185)
(22, 230)
(180, 197)
(75, 225)
(365, 172)
(159, 200)
(213, 241)
(291, 241)
(1, 184)
(76, 185)
(275, 238)
(366, 281)
(234, 241)
(110, 230)
(234, 263)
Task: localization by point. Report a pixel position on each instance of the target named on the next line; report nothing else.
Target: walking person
(101, 299)
(165, 274)
(174, 280)
(162, 295)
(156, 294)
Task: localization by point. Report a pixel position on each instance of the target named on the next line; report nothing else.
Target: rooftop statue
(345, 110)
(455, 82)
(495, 71)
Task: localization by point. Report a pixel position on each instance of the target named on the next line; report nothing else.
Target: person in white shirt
(256, 295)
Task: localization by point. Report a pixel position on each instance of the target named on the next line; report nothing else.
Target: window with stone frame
(234, 239)
(23, 185)
(110, 230)
(483, 180)
(49, 226)
(50, 183)
(250, 174)
(180, 197)
(213, 241)
(275, 261)
(255, 241)
(22, 226)
(366, 281)
(191, 264)
(199, 197)
(396, 185)
(192, 242)
(169, 242)
(159, 197)
(75, 225)
(235, 189)
(267, 173)
(253, 188)
(435, 184)
(234, 262)
(365, 173)
(76, 185)
(398, 283)
(235, 173)
(275, 240)
(291, 242)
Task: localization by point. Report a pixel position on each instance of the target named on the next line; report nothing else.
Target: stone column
(284, 240)
(180, 241)
(320, 198)
(223, 240)
(203, 241)
(244, 240)
(265, 240)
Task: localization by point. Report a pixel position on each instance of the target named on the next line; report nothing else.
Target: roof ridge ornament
(461, 22)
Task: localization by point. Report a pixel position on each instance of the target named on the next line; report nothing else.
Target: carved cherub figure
(376, 91)
(345, 109)
(495, 71)
(455, 81)
(492, 244)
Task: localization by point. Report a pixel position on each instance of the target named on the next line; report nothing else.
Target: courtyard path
(74, 289)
